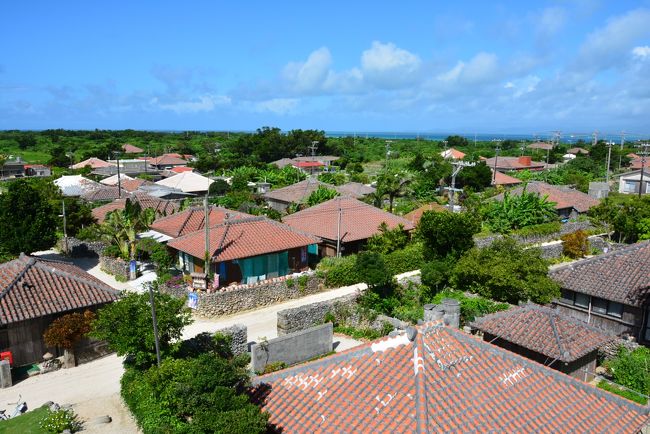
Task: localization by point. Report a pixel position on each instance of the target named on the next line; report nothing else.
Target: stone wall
(551, 251)
(566, 228)
(610, 350)
(81, 249)
(114, 266)
(303, 317)
(293, 348)
(240, 298)
(239, 336)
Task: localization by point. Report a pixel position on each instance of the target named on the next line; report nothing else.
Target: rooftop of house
(161, 207)
(93, 162)
(541, 145)
(514, 163)
(75, 185)
(166, 160)
(181, 169)
(188, 182)
(503, 179)
(621, 275)
(321, 158)
(114, 179)
(131, 149)
(283, 162)
(545, 331)
(104, 193)
(356, 189)
(634, 175)
(32, 287)
(563, 197)
(308, 164)
(577, 151)
(415, 215)
(637, 163)
(193, 219)
(452, 153)
(359, 220)
(438, 379)
(298, 192)
(243, 238)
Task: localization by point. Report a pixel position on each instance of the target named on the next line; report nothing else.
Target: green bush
(89, 233)
(371, 269)
(470, 307)
(363, 333)
(339, 271)
(539, 230)
(625, 393)
(632, 369)
(407, 259)
(290, 283)
(575, 245)
(275, 366)
(112, 251)
(60, 420)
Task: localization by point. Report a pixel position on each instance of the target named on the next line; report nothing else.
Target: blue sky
(417, 66)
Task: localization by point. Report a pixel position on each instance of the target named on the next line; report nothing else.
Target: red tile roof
(545, 331)
(130, 149)
(180, 169)
(564, 197)
(452, 153)
(442, 381)
(503, 179)
(638, 162)
(133, 184)
(243, 238)
(193, 219)
(415, 215)
(575, 151)
(359, 220)
(31, 287)
(93, 162)
(298, 192)
(355, 189)
(161, 207)
(167, 160)
(306, 164)
(283, 162)
(540, 145)
(515, 163)
(622, 275)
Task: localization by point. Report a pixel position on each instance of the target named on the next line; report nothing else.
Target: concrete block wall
(293, 348)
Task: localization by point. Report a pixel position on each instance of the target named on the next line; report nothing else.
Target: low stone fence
(551, 251)
(610, 350)
(303, 317)
(81, 249)
(247, 297)
(293, 348)
(115, 266)
(566, 228)
(238, 343)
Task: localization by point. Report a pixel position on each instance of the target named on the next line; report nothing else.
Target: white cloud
(204, 103)
(641, 52)
(481, 68)
(523, 86)
(550, 22)
(386, 65)
(310, 75)
(604, 48)
(279, 106)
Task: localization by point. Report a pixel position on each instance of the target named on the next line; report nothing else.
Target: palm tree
(121, 227)
(392, 183)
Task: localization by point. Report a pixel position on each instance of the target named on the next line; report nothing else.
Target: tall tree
(447, 233)
(27, 219)
(392, 183)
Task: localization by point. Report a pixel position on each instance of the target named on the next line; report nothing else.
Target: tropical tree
(446, 233)
(518, 211)
(392, 183)
(66, 331)
(388, 240)
(121, 227)
(320, 195)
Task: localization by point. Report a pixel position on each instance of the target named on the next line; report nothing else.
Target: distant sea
(481, 137)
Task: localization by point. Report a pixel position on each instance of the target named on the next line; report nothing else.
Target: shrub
(446, 233)
(518, 211)
(539, 230)
(112, 251)
(632, 369)
(339, 271)
(60, 420)
(302, 282)
(89, 233)
(625, 393)
(470, 307)
(575, 245)
(275, 366)
(371, 269)
(407, 259)
(290, 283)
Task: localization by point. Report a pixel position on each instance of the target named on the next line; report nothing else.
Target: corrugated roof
(622, 275)
(359, 220)
(243, 238)
(443, 381)
(545, 331)
(32, 287)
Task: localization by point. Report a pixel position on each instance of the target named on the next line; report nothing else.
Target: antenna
(458, 166)
(595, 136)
(620, 156)
(496, 159)
(312, 148)
(609, 158)
(643, 155)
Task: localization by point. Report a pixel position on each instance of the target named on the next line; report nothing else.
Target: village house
(569, 203)
(165, 161)
(504, 180)
(452, 154)
(192, 220)
(609, 291)
(37, 170)
(506, 164)
(437, 379)
(36, 291)
(161, 207)
(345, 219)
(299, 192)
(187, 182)
(630, 182)
(245, 250)
(131, 149)
(92, 162)
(75, 185)
(415, 215)
(547, 336)
(12, 169)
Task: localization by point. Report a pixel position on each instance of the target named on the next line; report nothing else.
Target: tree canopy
(447, 233)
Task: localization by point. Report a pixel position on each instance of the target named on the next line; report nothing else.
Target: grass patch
(625, 393)
(28, 423)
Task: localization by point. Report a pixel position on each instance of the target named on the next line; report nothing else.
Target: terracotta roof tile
(545, 331)
(503, 179)
(444, 381)
(298, 192)
(452, 153)
(193, 219)
(161, 207)
(130, 149)
(622, 275)
(415, 215)
(541, 145)
(243, 238)
(355, 189)
(514, 163)
(359, 220)
(564, 197)
(32, 287)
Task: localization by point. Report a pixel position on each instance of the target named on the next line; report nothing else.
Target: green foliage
(627, 215)
(625, 393)
(457, 141)
(371, 269)
(320, 195)
(89, 233)
(575, 245)
(388, 240)
(435, 274)
(127, 326)
(157, 252)
(476, 178)
(113, 251)
(364, 333)
(218, 188)
(333, 178)
(302, 282)
(121, 227)
(518, 211)
(27, 218)
(632, 369)
(196, 395)
(273, 367)
(392, 183)
(446, 233)
(505, 271)
(28, 423)
(470, 307)
(409, 258)
(60, 420)
(339, 271)
(539, 230)
(78, 216)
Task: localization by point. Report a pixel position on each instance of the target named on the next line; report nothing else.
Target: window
(615, 309)
(630, 186)
(581, 300)
(598, 305)
(567, 296)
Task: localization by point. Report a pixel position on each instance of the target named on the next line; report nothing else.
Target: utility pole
(643, 155)
(496, 160)
(206, 225)
(595, 136)
(65, 228)
(119, 179)
(388, 142)
(609, 157)
(312, 148)
(458, 166)
(620, 156)
(338, 232)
